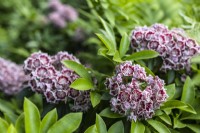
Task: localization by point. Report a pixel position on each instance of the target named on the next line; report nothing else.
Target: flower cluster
(51, 78)
(135, 94)
(12, 77)
(174, 47)
(61, 13)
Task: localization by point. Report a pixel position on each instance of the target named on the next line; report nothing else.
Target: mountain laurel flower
(174, 47)
(12, 77)
(134, 94)
(51, 78)
(61, 13)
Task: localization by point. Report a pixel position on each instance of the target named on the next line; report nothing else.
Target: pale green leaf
(188, 92)
(91, 129)
(137, 127)
(95, 98)
(3, 125)
(124, 45)
(82, 84)
(170, 90)
(117, 127)
(161, 128)
(11, 129)
(145, 54)
(109, 114)
(100, 124)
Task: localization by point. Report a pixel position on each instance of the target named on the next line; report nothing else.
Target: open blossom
(135, 94)
(12, 77)
(174, 47)
(51, 78)
(61, 13)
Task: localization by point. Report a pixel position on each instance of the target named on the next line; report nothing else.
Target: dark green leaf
(3, 125)
(82, 84)
(170, 90)
(6, 107)
(49, 119)
(170, 76)
(194, 127)
(19, 125)
(67, 124)
(78, 68)
(191, 117)
(109, 114)
(124, 45)
(100, 124)
(188, 93)
(91, 129)
(95, 98)
(137, 127)
(32, 117)
(118, 127)
(165, 118)
(145, 54)
(161, 128)
(175, 104)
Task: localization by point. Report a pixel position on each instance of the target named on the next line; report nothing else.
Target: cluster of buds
(135, 94)
(51, 78)
(61, 13)
(12, 77)
(174, 47)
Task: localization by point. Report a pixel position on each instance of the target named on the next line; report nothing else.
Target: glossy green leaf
(165, 118)
(194, 127)
(78, 68)
(109, 32)
(95, 98)
(188, 93)
(49, 119)
(67, 124)
(117, 127)
(11, 129)
(117, 57)
(3, 125)
(91, 129)
(175, 104)
(32, 117)
(145, 54)
(82, 84)
(19, 125)
(100, 124)
(177, 123)
(124, 45)
(109, 45)
(161, 128)
(137, 127)
(109, 114)
(170, 90)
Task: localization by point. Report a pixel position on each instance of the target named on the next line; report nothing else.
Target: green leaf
(100, 124)
(109, 114)
(32, 117)
(195, 59)
(6, 107)
(188, 93)
(137, 127)
(3, 125)
(78, 68)
(124, 45)
(191, 117)
(11, 129)
(110, 17)
(91, 129)
(118, 127)
(49, 119)
(170, 90)
(145, 54)
(82, 84)
(19, 125)
(170, 76)
(146, 68)
(109, 45)
(116, 57)
(67, 124)
(175, 104)
(178, 123)
(161, 128)
(109, 32)
(194, 127)
(165, 118)
(95, 98)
